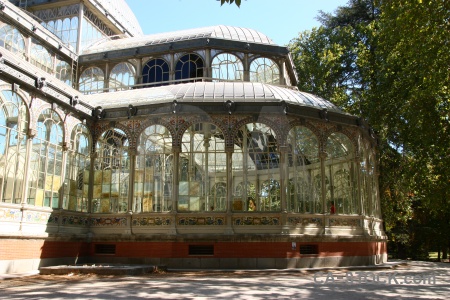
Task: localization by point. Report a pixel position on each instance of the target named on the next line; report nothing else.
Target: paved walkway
(409, 280)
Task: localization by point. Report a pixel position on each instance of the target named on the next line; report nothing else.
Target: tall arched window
(122, 77)
(92, 81)
(153, 181)
(111, 175)
(364, 177)
(304, 166)
(202, 166)
(63, 71)
(189, 66)
(40, 57)
(13, 128)
(256, 161)
(264, 70)
(12, 39)
(155, 70)
(226, 66)
(340, 170)
(45, 180)
(76, 185)
(374, 197)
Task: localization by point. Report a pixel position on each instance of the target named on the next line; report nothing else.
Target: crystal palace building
(189, 149)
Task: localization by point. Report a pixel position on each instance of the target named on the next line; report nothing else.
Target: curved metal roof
(239, 92)
(120, 10)
(220, 32)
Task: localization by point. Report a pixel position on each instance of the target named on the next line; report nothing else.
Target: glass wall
(63, 71)
(76, 184)
(189, 66)
(255, 169)
(304, 192)
(202, 169)
(226, 66)
(40, 57)
(13, 128)
(153, 181)
(264, 70)
(122, 77)
(111, 175)
(341, 173)
(45, 180)
(155, 70)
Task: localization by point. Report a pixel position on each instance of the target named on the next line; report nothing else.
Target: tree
(237, 2)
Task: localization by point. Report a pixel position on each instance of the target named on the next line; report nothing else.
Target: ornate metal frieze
(260, 220)
(75, 221)
(152, 221)
(299, 221)
(108, 221)
(210, 220)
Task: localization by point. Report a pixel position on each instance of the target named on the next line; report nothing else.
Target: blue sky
(280, 20)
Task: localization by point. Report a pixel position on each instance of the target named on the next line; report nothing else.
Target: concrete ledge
(100, 269)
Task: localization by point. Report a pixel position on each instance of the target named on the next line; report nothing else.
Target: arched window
(13, 128)
(304, 165)
(155, 70)
(63, 71)
(45, 180)
(202, 166)
(92, 81)
(153, 180)
(264, 70)
(189, 66)
(364, 177)
(40, 57)
(256, 160)
(122, 77)
(76, 185)
(12, 40)
(226, 66)
(218, 197)
(340, 170)
(111, 175)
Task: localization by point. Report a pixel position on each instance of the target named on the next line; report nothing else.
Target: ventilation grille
(105, 249)
(309, 249)
(201, 250)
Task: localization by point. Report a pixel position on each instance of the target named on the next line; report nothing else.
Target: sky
(280, 20)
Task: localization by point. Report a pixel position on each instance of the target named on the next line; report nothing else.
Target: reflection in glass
(202, 167)
(13, 128)
(122, 77)
(154, 171)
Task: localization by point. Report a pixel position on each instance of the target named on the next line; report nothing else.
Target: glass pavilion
(194, 146)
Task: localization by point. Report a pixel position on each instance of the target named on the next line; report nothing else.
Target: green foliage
(389, 62)
(237, 2)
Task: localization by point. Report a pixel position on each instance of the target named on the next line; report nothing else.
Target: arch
(264, 70)
(41, 57)
(202, 164)
(156, 70)
(189, 66)
(45, 179)
(14, 122)
(153, 182)
(122, 77)
(78, 164)
(12, 40)
(111, 172)
(92, 81)
(227, 66)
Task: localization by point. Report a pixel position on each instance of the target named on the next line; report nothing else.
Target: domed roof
(220, 32)
(120, 10)
(239, 92)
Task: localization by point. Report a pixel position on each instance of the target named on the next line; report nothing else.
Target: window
(189, 66)
(227, 66)
(122, 77)
(13, 128)
(92, 81)
(154, 171)
(304, 165)
(40, 57)
(63, 71)
(264, 70)
(12, 40)
(155, 70)
(76, 185)
(111, 174)
(202, 167)
(45, 180)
